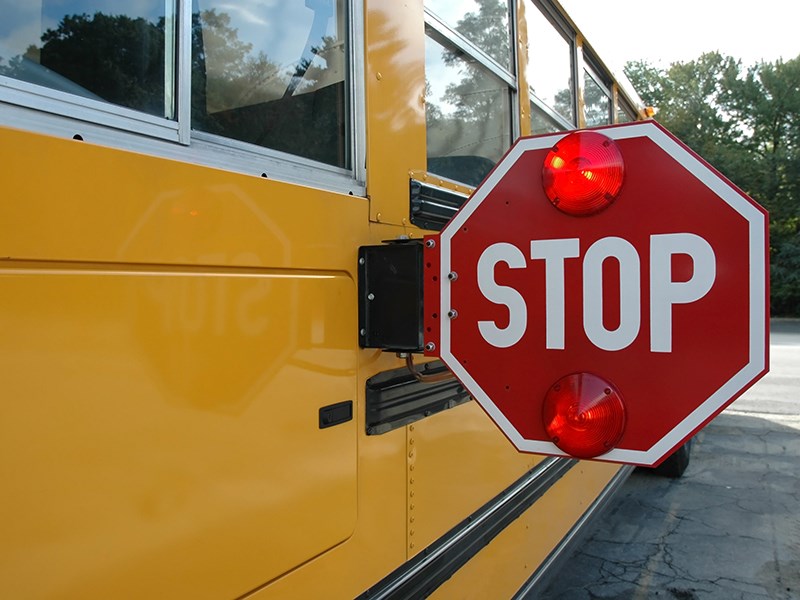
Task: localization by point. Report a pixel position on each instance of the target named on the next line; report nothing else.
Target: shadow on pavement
(729, 529)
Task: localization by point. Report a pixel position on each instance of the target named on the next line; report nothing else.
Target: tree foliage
(746, 122)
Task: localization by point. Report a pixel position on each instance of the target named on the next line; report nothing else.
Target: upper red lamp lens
(583, 173)
(584, 415)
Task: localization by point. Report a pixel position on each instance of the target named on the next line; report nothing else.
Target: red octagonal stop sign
(652, 296)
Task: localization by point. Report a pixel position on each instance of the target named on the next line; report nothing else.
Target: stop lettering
(664, 292)
(602, 294)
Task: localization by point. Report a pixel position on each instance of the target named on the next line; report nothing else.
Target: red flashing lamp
(584, 415)
(583, 173)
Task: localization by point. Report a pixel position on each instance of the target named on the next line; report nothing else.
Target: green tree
(746, 122)
(689, 99)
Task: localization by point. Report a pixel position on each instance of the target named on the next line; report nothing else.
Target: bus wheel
(676, 463)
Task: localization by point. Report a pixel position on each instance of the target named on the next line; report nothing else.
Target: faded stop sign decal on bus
(602, 294)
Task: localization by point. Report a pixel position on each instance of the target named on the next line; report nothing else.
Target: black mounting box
(390, 312)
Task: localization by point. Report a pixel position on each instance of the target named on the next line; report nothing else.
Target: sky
(681, 30)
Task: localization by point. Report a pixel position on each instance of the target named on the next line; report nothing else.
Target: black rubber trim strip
(550, 566)
(420, 576)
(396, 398)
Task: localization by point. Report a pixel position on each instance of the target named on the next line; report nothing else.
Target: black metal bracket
(390, 296)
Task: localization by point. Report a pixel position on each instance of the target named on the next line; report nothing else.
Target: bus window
(97, 49)
(468, 96)
(273, 74)
(596, 100)
(625, 114)
(468, 116)
(541, 122)
(483, 22)
(550, 65)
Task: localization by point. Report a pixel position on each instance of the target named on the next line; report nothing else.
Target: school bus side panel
(169, 336)
(506, 564)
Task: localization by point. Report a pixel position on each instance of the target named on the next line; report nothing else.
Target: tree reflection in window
(596, 102)
(272, 75)
(487, 27)
(280, 85)
(541, 122)
(116, 58)
(468, 109)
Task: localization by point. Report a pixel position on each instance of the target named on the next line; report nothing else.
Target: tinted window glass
(541, 122)
(273, 74)
(624, 114)
(483, 22)
(597, 103)
(550, 64)
(100, 49)
(468, 115)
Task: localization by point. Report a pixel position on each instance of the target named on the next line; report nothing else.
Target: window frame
(79, 108)
(53, 112)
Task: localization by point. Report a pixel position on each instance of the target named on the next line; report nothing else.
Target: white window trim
(79, 108)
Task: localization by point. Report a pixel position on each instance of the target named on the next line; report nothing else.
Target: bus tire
(676, 463)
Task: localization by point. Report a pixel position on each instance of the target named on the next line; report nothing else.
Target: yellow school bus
(190, 408)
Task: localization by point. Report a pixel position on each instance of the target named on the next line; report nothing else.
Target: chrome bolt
(452, 314)
(430, 347)
(430, 243)
(452, 275)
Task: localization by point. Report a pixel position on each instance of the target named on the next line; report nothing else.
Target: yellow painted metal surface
(169, 334)
(437, 181)
(507, 563)
(522, 69)
(144, 453)
(377, 545)
(458, 461)
(69, 200)
(395, 75)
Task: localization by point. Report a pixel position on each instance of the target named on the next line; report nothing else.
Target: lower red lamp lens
(584, 415)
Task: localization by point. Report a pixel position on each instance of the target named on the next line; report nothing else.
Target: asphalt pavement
(729, 529)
